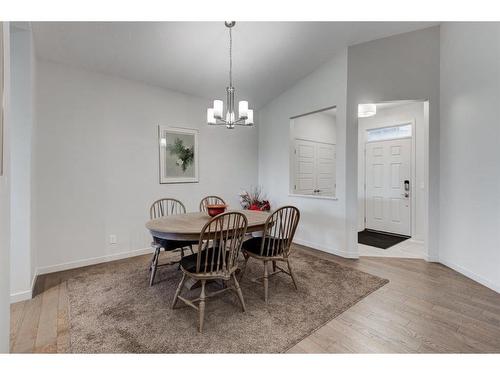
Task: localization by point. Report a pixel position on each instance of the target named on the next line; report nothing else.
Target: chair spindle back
(166, 207)
(224, 233)
(211, 199)
(279, 231)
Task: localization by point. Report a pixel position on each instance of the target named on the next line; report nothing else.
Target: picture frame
(178, 153)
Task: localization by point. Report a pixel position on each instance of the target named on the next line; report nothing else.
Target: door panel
(314, 167)
(326, 168)
(305, 167)
(388, 165)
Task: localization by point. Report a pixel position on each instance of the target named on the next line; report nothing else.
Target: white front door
(388, 171)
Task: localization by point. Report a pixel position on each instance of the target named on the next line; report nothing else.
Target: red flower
(254, 207)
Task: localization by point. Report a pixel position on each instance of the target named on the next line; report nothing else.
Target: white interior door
(314, 168)
(305, 166)
(388, 203)
(325, 167)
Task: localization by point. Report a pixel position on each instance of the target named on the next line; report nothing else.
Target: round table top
(188, 226)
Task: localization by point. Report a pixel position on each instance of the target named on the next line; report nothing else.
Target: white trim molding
(326, 249)
(28, 294)
(92, 261)
(25, 294)
(471, 275)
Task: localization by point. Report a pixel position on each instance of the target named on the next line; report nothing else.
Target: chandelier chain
(230, 58)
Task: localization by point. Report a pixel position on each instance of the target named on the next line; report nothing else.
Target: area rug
(112, 308)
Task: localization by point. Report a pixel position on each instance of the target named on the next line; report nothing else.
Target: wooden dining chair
(166, 207)
(217, 259)
(211, 199)
(275, 244)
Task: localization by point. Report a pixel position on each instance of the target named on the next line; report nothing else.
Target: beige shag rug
(113, 309)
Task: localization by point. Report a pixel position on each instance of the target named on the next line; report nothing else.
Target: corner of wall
(5, 200)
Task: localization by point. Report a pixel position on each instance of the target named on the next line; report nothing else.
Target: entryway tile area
(406, 249)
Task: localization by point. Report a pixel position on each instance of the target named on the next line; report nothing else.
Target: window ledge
(313, 196)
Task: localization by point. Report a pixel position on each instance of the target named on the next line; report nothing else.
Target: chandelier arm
(242, 121)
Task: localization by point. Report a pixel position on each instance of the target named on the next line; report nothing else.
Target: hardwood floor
(425, 308)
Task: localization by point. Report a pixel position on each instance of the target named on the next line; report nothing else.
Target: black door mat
(379, 239)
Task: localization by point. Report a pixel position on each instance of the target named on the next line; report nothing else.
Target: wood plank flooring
(425, 308)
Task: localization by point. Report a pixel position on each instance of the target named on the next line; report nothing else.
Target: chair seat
(189, 261)
(254, 244)
(170, 245)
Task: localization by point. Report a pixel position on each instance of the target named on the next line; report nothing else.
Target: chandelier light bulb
(218, 108)
(210, 116)
(249, 120)
(243, 109)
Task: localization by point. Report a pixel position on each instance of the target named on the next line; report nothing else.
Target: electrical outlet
(112, 239)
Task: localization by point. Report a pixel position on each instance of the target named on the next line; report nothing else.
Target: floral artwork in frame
(178, 154)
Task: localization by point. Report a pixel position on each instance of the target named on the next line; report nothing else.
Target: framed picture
(178, 155)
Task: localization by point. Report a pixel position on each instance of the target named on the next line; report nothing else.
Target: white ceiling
(192, 57)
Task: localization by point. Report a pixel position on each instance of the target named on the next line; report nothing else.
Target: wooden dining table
(187, 227)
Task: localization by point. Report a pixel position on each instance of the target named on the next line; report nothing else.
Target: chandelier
(215, 115)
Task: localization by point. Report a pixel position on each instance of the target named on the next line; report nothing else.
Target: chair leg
(152, 260)
(201, 306)
(274, 266)
(292, 275)
(266, 281)
(154, 265)
(179, 289)
(238, 291)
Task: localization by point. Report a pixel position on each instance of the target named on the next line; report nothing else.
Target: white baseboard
(21, 296)
(326, 249)
(92, 261)
(25, 294)
(472, 275)
(433, 259)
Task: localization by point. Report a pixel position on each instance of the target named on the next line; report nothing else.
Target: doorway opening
(392, 179)
(313, 154)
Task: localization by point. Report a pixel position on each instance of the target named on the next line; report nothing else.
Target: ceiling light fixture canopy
(215, 115)
(367, 110)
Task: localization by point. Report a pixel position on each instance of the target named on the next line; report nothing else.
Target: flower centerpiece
(254, 200)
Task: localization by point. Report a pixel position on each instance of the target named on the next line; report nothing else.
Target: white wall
(96, 162)
(396, 116)
(400, 67)
(470, 153)
(5, 204)
(322, 223)
(22, 262)
(317, 127)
